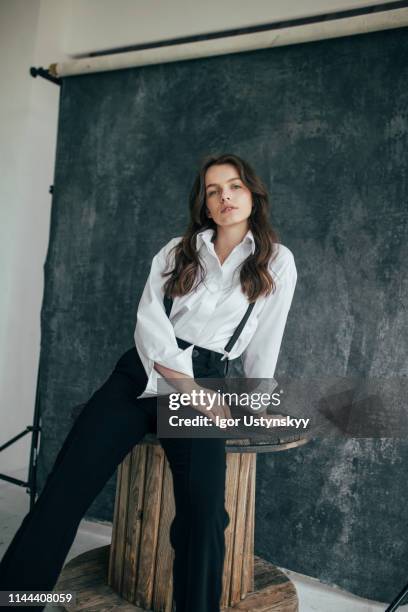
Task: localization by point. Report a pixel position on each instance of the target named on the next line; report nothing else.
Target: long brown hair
(254, 275)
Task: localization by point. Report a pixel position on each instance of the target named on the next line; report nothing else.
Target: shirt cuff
(181, 361)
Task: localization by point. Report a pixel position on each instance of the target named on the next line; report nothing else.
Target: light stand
(35, 428)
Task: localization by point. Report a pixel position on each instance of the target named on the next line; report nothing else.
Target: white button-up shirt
(209, 315)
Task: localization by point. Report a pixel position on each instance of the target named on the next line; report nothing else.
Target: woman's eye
(210, 193)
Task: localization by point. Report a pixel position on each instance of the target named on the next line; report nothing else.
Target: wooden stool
(135, 572)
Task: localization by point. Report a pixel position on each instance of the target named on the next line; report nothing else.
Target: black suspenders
(168, 303)
(239, 329)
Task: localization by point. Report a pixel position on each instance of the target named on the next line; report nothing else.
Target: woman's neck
(226, 239)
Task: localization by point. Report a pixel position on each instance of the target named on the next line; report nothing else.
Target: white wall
(30, 33)
(106, 24)
(37, 33)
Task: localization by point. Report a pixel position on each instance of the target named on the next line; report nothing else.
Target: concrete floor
(313, 596)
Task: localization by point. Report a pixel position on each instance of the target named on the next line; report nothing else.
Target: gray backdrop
(325, 125)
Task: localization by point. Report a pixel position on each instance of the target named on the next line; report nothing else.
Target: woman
(228, 292)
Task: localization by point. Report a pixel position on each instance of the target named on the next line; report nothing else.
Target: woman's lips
(228, 209)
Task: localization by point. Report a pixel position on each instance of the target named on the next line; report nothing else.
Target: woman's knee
(131, 365)
(114, 404)
(107, 418)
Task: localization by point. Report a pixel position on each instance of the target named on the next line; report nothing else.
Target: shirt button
(195, 353)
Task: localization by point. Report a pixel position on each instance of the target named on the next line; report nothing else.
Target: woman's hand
(218, 405)
(186, 384)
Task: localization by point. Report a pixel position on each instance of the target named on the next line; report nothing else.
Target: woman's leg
(109, 426)
(198, 466)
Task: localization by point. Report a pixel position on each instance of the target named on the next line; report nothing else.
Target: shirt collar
(205, 236)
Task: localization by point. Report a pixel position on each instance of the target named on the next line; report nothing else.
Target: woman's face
(228, 200)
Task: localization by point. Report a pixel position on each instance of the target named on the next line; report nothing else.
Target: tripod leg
(398, 600)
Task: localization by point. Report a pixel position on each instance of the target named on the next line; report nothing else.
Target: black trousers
(111, 423)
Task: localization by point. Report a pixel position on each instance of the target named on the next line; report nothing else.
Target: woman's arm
(154, 335)
(186, 384)
(156, 341)
(182, 382)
